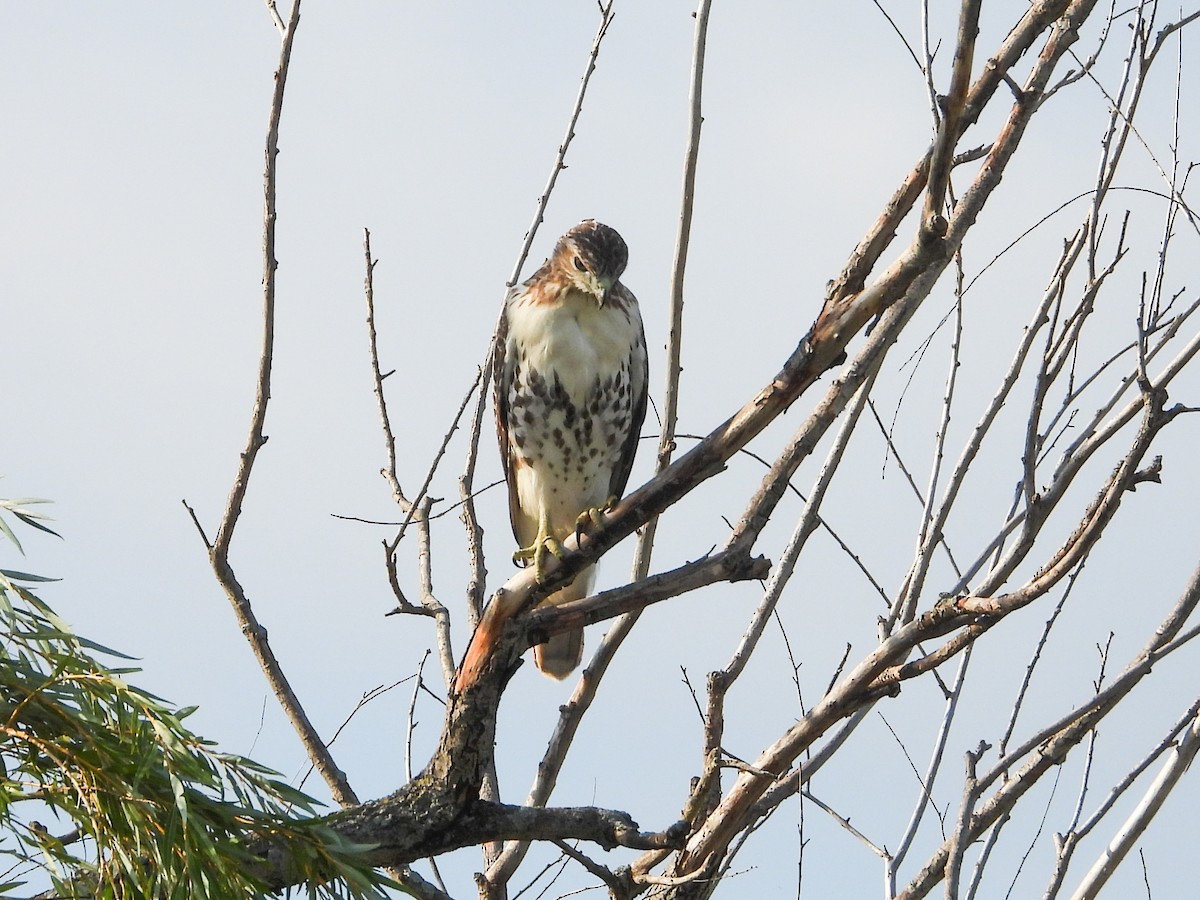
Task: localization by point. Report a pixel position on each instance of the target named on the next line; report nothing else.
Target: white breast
(577, 339)
(573, 370)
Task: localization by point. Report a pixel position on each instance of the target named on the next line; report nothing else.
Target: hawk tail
(561, 655)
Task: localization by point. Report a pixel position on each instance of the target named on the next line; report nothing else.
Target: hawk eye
(579, 265)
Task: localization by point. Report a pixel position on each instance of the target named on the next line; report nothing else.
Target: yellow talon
(593, 517)
(544, 543)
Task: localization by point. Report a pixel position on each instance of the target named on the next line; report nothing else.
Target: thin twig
(928, 538)
(845, 823)
(368, 696)
(389, 439)
(422, 492)
(601, 872)
(925, 795)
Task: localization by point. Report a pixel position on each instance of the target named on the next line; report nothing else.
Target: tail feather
(561, 655)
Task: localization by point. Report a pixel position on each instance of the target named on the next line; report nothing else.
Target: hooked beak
(605, 289)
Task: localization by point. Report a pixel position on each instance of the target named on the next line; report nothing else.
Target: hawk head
(592, 256)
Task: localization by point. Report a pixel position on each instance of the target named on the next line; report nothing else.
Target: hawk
(570, 381)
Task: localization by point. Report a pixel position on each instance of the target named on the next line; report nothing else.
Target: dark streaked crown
(601, 248)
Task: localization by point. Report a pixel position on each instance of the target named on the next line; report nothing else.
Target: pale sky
(130, 173)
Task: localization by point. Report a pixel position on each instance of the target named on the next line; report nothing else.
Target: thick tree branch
(399, 831)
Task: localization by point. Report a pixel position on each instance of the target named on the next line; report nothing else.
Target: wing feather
(502, 375)
(638, 385)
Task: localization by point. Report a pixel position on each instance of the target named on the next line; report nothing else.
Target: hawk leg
(544, 543)
(593, 517)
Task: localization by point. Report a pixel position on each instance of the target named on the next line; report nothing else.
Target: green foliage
(135, 804)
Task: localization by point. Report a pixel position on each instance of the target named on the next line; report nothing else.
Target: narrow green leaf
(8, 533)
(25, 576)
(31, 519)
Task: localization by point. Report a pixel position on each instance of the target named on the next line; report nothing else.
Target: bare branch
(959, 839)
(255, 633)
(1050, 746)
(394, 833)
(477, 583)
(845, 823)
(606, 19)
(1178, 760)
(1065, 844)
(942, 158)
(377, 376)
(440, 614)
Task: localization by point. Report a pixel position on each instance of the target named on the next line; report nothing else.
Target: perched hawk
(570, 378)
